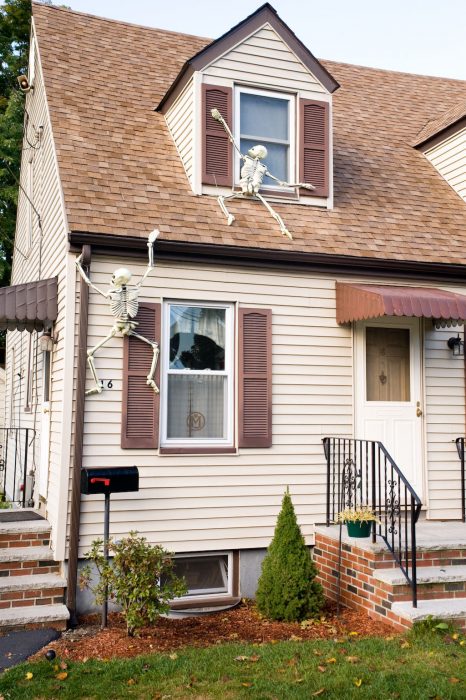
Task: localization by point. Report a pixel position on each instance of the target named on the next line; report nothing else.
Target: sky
(417, 36)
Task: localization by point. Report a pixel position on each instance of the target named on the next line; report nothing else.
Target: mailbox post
(108, 480)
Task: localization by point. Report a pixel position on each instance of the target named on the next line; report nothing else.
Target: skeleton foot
(230, 219)
(96, 390)
(287, 233)
(153, 385)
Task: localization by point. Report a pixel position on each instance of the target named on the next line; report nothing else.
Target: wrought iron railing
(16, 445)
(460, 447)
(362, 473)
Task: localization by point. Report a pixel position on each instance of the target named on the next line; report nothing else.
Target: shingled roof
(122, 176)
(441, 122)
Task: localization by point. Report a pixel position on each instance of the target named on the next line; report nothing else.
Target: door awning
(32, 306)
(356, 302)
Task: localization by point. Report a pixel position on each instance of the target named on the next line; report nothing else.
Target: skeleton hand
(150, 244)
(306, 186)
(216, 114)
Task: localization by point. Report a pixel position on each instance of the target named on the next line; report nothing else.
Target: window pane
(264, 116)
(196, 406)
(197, 338)
(387, 364)
(204, 574)
(276, 161)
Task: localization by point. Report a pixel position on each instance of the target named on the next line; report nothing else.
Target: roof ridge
(68, 10)
(392, 71)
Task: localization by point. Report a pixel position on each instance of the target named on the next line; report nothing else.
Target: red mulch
(242, 624)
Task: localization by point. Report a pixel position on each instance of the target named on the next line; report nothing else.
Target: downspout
(77, 454)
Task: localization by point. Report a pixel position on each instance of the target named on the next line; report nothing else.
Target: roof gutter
(136, 246)
(77, 456)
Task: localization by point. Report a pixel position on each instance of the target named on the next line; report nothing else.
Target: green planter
(359, 529)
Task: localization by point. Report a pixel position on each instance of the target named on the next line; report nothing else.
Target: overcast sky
(418, 36)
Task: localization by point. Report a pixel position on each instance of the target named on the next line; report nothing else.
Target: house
(347, 333)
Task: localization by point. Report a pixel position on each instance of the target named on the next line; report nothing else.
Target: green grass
(430, 667)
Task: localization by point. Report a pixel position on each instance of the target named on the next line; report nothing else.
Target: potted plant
(358, 520)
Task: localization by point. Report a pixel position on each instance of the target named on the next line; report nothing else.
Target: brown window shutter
(141, 406)
(314, 150)
(255, 377)
(217, 155)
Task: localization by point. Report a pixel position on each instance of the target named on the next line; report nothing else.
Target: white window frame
(292, 135)
(228, 372)
(209, 592)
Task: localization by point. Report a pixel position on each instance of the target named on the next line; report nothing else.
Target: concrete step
(24, 561)
(25, 583)
(18, 591)
(425, 575)
(25, 534)
(434, 582)
(31, 617)
(449, 609)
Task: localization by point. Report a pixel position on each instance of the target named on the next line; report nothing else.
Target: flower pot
(358, 529)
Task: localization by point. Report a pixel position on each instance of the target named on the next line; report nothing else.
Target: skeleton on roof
(124, 304)
(253, 172)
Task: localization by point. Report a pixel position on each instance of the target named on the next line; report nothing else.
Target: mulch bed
(242, 624)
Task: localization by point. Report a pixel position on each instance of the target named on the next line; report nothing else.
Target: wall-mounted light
(456, 345)
(46, 342)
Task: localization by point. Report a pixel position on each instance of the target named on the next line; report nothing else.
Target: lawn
(423, 666)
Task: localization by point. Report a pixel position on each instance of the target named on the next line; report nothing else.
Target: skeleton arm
(86, 278)
(305, 185)
(150, 244)
(218, 117)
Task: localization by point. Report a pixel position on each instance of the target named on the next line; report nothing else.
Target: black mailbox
(109, 480)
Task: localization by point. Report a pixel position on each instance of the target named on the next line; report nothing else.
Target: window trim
(292, 132)
(202, 594)
(197, 444)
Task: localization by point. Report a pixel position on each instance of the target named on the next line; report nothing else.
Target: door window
(387, 364)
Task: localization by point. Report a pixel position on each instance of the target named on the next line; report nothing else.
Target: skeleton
(253, 172)
(124, 304)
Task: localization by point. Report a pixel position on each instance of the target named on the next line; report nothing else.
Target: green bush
(140, 578)
(287, 588)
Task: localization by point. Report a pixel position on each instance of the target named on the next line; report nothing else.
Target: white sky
(417, 36)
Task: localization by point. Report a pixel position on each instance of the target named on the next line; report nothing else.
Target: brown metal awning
(356, 302)
(32, 306)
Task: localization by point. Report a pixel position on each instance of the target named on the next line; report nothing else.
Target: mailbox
(108, 480)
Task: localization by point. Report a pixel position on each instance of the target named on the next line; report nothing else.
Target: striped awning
(356, 302)
(29, 307)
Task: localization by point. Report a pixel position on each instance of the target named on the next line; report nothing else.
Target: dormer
(443, 142)
(270, 90)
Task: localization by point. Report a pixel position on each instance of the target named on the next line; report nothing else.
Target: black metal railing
(460, 448)
(362, 473)
(16, 445)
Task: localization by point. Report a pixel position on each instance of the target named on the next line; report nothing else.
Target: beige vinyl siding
(45, 258)
(449, 158)
(445, 421)
(223, 501)
(264, 59)
(180, 121)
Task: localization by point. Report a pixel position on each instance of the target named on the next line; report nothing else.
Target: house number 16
(106, 383)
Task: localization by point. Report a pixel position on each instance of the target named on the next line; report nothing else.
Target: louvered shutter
(140, 414)
(314, 151)
(217, 155)
(255, 377)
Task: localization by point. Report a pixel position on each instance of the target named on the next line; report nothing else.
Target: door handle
(418, 409)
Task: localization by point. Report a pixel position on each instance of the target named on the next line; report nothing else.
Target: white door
(44, 427)
(388, 391)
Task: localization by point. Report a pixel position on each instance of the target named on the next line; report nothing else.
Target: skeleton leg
(155, 357)
(221, 201)
(90, 359)
(276, 216)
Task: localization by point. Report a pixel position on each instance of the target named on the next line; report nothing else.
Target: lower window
(206, 574)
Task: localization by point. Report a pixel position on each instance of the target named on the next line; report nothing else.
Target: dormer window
(267, 118)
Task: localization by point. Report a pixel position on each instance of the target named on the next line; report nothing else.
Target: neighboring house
(267, 345)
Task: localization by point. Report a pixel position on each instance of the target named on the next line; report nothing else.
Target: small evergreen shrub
(287, 588)
(140, 578)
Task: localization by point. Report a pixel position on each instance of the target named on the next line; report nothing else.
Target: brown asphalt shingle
(443, 121)
(121, 173)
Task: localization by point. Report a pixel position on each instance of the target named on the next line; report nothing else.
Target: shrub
(287, 588)
(140, 579)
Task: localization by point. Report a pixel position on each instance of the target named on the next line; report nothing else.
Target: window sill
(197, 450)
(203, 601)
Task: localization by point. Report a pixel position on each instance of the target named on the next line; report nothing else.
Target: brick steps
(31, 588)
(372, 581)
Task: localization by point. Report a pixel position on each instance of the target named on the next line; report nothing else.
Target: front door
(388, 391)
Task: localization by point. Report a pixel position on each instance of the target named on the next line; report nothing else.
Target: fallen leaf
(234, 635)
(61, 676)
(28, 675)
(295, 638)
(463, 642)
(241, 658)
(322, 669)
(173, 656)
(331, 661)
(299, 680)
(318, 692)
(388, 639)
(131, 681)
(292, 662)
(254, 659)
(353, 634)
(454, 680)
(317, 653)
(246, 685)
(405, 645)
(63, 666)
(357, 682)
(56, 668)
(352, 659)
(455, 636)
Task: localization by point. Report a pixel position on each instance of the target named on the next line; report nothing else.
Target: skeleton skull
(121, 277)
(258, 151)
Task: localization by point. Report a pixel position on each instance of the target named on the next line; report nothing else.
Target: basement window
(205, 574)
